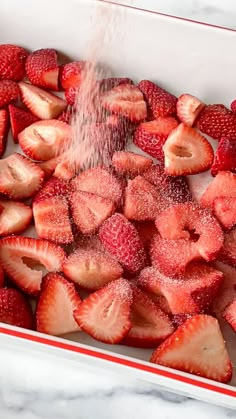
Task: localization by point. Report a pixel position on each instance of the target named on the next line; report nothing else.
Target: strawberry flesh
(12, 62)
(41, 68)
(230, 314)
(217, 121)
(160, 102)
(15, 309)
(20, 119)
(223, 185)
(9, 92)
(224, 209)
(130, 164)
(227, 290)
(225, 156)
(14, 218)
(109, 83)
(4, 128)
(228, 251)
(188, 108)
(72, 74)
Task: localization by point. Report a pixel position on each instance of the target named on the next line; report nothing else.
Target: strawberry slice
(125, 100)
(14, 218)
(72, 74)
(12, 62)
(217, 121)
(9, 91)
(24, 259)
(20, 119)
(230, 314)
(105, 314)
(53, 166)
(41, 68)
(54, 187)
(4, 127)
(66, 115)
(15, 309)
(160, 102)
(45, 140)
(225, 156)
(20, 177)
(224, 209)
(91, 268)
(196, 347)
(150, 325)
(71, 95)
(223, 185)
(130, 164)
(151, 136)
(1, 273)
(109, 83)
(187, 152)
(65, 169)
(188, 108)
(57, 303)
(228, 251)
(122, 240)
(43, 104)
(147, 230)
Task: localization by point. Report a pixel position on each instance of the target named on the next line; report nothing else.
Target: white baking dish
(180, 55)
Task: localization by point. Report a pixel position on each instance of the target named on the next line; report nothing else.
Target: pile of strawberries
(123, 250)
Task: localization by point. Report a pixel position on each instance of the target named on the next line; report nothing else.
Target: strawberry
(19, 177)
(71, 95)
(196, 347)
(65, 169)
(227, 290)
(4, 127)
(41, 68)
(228, 251)
(9, 91)
(130, 164)
(1, 273)
(125, 100)
(233, 106)
(223, 185)
(217, 121)
(57, 303)
(224, 209)
(160, 102)
(91, 268)
(105, 314)
(66, 115)
(45, 140)
(230, 314)
(50, 166)
(225, 157)
(187, 152)
(20, 119)
(109, 83)
(72, 74)
(188, 108)
(24, 259)
(147, 231)
(15, 309)
(150, 325)
(14, 218)
(43, 104)
(12, 62)
(151, 136)
(121, 239)
(54, 187)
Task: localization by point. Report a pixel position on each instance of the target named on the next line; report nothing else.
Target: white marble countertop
(41, 388)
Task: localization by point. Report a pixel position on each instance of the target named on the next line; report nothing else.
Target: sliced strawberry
(230, 314)
(225, 156)
(66, 115)
(9, 91)
(43, 104)
(188, 108)
(224, 209)
(228, 251)
(71, 95)
(227, 291)
(105, 314)
(160, 102)
(65, 169)
(19, 177)
(224, 184)
(130, 164)
(147, 230)
(217, 121)
(4, 127)
(41, 68)
(151, 136)
(12, 62)
(24, 259)
(45, 140)
(122, 240)
(57, 303)
(14, 218)
(20, 119)
(1, 273)
(49, 166)
(15, 309)
(233, 106)
(91, 268)
(196, 347)
(72, 74)
(109, 83)
(125, 100)
(192, 293)
(187, 152)
(54, 187)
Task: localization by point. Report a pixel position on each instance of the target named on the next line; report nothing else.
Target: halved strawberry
(19, 177)
(227, 291)
(109, 83)
(71, 74)
(160, 102)
(130, 164)
(122, 240)
(43, 104)
(15, 309)
(225, 156)
(105, 314)
(230, 314)
(45, 140)
(25, 260)
(187, 152)
(196, 347)
(14, 218)
(233, 106)
(71, 95)
(146, 230)
(151, 136)
(9, 91)
(217, 121)
(20, 119)
(4, 127)
(66, 115)
(91, 268)
(12, 62)
(188, 108)
(65, 168)
(57, 303)
(2, 277)
(125, 100)
(224, 184)
(54, 187)
(228, 251)
(42, 69)
(224, 209)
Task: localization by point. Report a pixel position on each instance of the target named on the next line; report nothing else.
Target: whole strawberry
(12, 62)
(217, 121)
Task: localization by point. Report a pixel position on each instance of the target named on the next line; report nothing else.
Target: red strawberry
(9, 91)
(1, 272)
(130, 164)
(43, 104)
(146, 230)
(71, 95)
(233, 106)
(125, 100)
(227, 291)
(72, 74)
(66, 115)
(15, 309)
(151, 136)
(196, 347)
(14, 218)
(19, 177)
(54, 187)
(57, 303)
(4, 127)
(65, 169)
(41, 68)
(224, 209)
(45, 140)
(20, 119)
(50, 166)
(230, 314)
(25, 259)
(150, 325)
(217, 121)
(91, 268)
(187, 152)
(160, 102)
(121, 239)
(188, 108)
(224, 184)
(109, 83)
(12, 62)
(228, 251)
(105, 314)
(225, 156)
